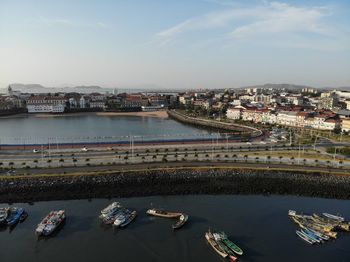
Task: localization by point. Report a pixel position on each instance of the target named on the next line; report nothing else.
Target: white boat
(110, 209)
(49, 224)
(4, 212)
(121, 218)
(334, 217)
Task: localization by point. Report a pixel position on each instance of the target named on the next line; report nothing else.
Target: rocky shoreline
(175, 182)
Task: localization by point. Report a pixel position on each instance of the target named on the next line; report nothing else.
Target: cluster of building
(303, 108)
(70, 102)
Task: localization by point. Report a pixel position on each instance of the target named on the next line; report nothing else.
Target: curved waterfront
(258, 224)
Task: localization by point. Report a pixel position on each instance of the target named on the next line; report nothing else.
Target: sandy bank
(158, 114)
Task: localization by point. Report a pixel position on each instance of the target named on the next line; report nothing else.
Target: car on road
(84, 149)
(248, 143)
(11, 172)
(36, 151)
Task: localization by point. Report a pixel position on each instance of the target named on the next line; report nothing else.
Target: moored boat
(4, 212)
(334, 217)
(311, 235)
(181, 221)
(162, 213)
(230, 244)
(130, 218)
(121, 217)
(110, 209)
(14, 215)
(211, 240)
(23, 217)
(305, 237)
(50, 223)
(319, 234)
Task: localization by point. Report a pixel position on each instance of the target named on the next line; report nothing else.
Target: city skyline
(182, 44)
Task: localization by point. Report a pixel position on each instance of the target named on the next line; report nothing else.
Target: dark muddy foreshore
(176, 182)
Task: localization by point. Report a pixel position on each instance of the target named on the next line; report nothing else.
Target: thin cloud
(281, 17)
(266, 18)
(65, 22)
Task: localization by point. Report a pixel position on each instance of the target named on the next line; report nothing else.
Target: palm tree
(246, 157)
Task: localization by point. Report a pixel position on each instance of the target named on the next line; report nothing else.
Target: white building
(83, 102)
(46, 104)
(287, 118)
(234, 113)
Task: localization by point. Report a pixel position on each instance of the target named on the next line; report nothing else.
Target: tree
(337, 130)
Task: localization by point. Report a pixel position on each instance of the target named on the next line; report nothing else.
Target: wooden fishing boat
(304, 237)
(216, 246)
(181, 221)
(232, 246)
(162, 213)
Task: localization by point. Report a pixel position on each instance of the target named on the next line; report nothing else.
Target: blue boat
(14, 216)
(311, 235)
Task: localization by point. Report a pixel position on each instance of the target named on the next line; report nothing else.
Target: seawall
(245, 130)
(174, 182)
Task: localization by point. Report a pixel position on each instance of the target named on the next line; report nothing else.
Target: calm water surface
(258, 224)
(33, 129)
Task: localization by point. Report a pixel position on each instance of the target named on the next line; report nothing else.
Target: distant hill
(37, 88)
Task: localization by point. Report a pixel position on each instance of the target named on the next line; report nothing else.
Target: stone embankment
(174, 182)
(246, 130)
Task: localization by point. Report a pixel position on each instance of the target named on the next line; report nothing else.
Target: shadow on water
(78, 223)
(249, 254)
(192, 221)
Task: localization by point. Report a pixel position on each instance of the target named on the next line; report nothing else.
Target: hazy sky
(175, 44)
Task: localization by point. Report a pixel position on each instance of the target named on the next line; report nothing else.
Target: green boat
(232, 246)
(225, 248)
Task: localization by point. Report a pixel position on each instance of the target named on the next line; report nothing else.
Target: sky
(175, 44)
